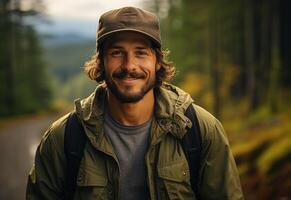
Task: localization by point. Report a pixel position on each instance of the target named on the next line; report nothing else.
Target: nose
(130, 62)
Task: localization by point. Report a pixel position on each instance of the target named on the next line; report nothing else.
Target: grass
(275, 156)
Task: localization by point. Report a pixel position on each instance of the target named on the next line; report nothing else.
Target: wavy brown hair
(94, 67)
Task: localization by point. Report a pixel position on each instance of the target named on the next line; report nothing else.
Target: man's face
(130, 66)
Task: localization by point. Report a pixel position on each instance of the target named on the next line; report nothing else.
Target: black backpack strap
(192, 146)
(74, 144)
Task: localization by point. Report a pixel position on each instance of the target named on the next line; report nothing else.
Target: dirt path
(18, 143)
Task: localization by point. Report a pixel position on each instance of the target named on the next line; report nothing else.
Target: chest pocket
(92, 179)
(174, 181)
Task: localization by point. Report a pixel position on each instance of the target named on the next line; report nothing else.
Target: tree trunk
(285, 47)
(250, 52)
(214, 23)
(263, 75)
(276, 63)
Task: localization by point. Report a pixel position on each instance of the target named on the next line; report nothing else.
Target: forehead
(127, 37)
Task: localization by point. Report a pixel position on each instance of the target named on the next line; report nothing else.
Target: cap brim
(106, 35)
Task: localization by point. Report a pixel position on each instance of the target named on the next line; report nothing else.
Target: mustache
(120, 74)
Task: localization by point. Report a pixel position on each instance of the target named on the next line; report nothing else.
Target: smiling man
(129, 139)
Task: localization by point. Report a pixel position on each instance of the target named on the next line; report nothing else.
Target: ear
(158, 66)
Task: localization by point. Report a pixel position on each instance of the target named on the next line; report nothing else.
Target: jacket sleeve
(218, 175)
(46, 178)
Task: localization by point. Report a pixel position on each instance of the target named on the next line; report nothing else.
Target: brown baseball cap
(129, 19)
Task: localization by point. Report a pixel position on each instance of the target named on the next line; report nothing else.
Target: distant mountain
(52, 40)
(60, 26)
(67, 45)
(66, 53)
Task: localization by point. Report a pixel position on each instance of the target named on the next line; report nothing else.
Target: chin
(133, 98)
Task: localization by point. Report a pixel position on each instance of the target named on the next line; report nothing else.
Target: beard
(125, 95)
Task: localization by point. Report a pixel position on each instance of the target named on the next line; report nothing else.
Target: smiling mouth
(132, 75)
(127, 80)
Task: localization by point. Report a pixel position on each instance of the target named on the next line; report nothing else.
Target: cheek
(150, 63)
(110, 65)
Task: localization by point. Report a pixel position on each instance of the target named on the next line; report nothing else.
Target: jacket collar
(92, 108)
(170, 106)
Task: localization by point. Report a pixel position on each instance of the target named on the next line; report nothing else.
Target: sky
(78, 16)
(84, 9)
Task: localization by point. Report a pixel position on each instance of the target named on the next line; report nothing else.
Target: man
(134, 123)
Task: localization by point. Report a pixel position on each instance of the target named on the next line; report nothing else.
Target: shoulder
(218, 172)
(53, 138)
(211, 128)
(206, 120)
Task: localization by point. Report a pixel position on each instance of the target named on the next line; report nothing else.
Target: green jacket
(167, 168)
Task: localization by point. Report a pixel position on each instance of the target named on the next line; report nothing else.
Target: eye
(141, 53)
(116, 53)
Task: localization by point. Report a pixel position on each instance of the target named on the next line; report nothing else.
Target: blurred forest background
(232, 56)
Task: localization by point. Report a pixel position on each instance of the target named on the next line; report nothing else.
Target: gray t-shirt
(130, 145)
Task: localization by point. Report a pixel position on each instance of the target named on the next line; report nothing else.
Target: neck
(132, 114)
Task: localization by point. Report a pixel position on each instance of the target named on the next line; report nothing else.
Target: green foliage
(185, 33)
(24, 85)
(79, 86)
(65, 63)
(67, 60)
(262, 151)
(274, 157)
